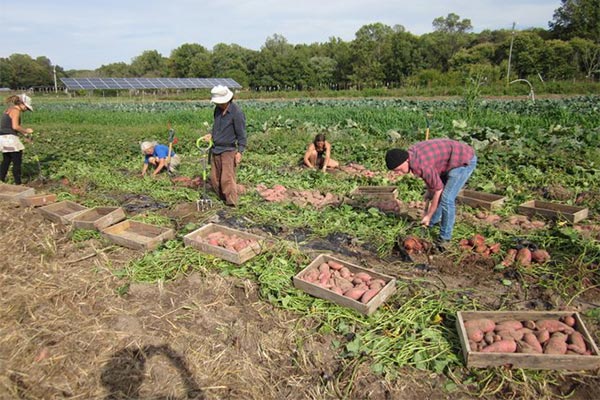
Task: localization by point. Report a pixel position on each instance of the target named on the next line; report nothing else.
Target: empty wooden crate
(546, 209)
(528, 360)
(37, 200)
(62, 212)
(223, 242)
(484, 200)
(138, 235)
(99, 218)
(314, 288)
(14, 192)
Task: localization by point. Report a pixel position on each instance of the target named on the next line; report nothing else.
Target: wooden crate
(546, 209)
(320, 292)
(375, 192)
(99, 218)
(37, 200)
(14, 192)
(196, 239)
(521, 360)
(476, 199)
(62, 212)
(137, 235)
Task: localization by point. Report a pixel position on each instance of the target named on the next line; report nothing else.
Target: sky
(87, 34)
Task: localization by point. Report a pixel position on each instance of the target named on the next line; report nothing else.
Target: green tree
(587, 56)
(341, 53)
(190, 60)
(115, 70)
(406, 56)
(526, 54)
(371, 51)
(150, 64)
(557, 60)
(450, 35)
(577, 18)
(231, 61)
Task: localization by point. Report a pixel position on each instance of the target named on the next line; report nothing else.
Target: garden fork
(204, 203)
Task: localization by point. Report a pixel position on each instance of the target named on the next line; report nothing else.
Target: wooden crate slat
(99, 218)
(137, 235)
(13, 193)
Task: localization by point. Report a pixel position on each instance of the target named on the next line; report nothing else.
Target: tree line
(378, 56)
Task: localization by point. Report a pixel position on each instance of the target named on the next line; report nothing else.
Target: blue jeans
(446, 210)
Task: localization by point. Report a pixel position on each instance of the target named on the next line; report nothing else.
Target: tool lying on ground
(204, 203)
(172, 141)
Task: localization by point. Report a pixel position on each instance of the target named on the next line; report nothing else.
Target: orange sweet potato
(335, 265)
(510, 325)
(524, 257)
(557, 344)
(553, 325)
(568, 320)
(532, 341)
(355, 293)
(368, 295)
(542, 335)
(509, 258)
(577, 339)
(540, 256)
(502, 346)
(483, 324)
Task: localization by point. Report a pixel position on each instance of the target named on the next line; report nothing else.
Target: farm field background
(87, 318)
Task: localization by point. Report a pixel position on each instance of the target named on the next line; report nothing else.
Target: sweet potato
(553, 325)
(540, 256)
(335, 265)
(510, 325)
(542, 335)
(568, 320)
(509, 258)
(483, 324)
(324, 267)
(343, 284)
(524, 257)
(557, 344)
(475, 334)
(577, 339)
(503, 346)
(532, 341)
(311, 275)
(345, 272)
(355, 293)
(511, 334)
(526, 348)
(489, 337)
(363, 276)
(368, 295)
(337, 289)
(529, 324)
(575, 349)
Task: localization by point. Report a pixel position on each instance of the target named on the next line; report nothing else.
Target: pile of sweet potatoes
(524, 256)
(478, 245)
(229, 242)
(414, 244)
(334, 276)
(544, 336)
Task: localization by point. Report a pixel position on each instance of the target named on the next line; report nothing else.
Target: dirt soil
(67, 333)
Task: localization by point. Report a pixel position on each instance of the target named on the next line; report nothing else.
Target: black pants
(16, 157)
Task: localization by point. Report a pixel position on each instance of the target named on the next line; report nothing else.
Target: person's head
(221, 95)
(396, 160)
(148, 147)
(319, 140)
(22, 101)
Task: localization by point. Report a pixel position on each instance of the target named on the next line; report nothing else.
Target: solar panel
(147, 83)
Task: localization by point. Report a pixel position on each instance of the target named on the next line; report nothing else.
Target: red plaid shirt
(432, 159)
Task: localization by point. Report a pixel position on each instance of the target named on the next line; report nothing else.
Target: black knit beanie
(395, 157)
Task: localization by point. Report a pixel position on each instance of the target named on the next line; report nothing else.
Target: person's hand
(238, 158)
(207, 137)
(425, 220)
(28, 131)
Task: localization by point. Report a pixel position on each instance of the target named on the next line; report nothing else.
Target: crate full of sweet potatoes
(526, 339)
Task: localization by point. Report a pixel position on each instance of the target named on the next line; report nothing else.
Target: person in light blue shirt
(157, 155)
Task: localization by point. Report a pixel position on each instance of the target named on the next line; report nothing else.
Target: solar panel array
(147, 83)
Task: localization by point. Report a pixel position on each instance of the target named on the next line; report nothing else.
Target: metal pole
(55, 85)
(512, 39)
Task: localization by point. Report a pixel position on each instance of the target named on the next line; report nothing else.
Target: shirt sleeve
(161, 152)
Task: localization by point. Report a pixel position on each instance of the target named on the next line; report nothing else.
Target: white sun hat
(147, 144)
(26, 101)
(220, 94)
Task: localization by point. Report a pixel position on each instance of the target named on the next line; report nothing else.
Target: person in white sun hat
(10, 130)
(229, 142)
